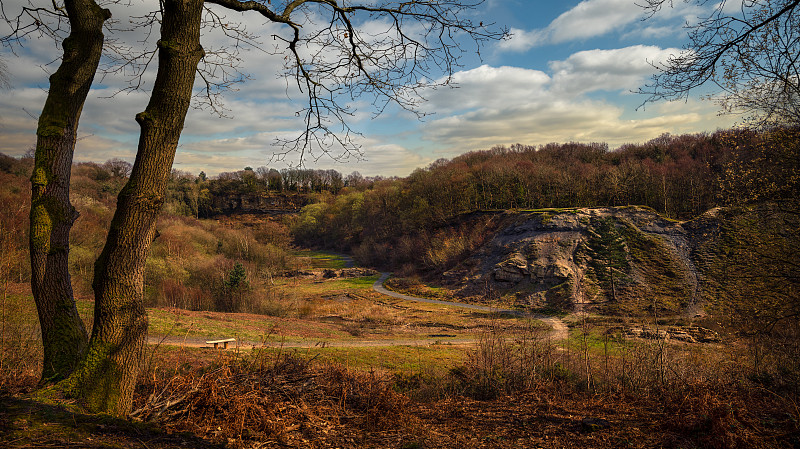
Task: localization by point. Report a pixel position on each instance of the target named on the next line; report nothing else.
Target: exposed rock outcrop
(555, 259)
(259, 203)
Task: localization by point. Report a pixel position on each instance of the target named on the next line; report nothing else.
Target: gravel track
(559, 328)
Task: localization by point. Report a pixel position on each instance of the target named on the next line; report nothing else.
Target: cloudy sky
(567, 73)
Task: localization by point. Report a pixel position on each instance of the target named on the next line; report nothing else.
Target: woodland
(239, 263)
(558, 295)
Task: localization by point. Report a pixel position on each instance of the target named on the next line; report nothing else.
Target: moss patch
(663, 284)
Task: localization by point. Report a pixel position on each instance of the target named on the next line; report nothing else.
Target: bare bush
(271, 398)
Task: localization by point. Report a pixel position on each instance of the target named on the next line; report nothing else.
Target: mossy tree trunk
(52, 215)
(106, 377)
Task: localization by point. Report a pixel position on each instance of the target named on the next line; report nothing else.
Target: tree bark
(613, 287)
(106, 378)
(63, 334)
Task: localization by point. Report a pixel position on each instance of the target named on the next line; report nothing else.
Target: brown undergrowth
(660, 394)
(527, 391)
(514, 390)
(274, 399)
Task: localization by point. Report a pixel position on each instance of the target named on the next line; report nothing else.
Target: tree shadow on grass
(28, 423)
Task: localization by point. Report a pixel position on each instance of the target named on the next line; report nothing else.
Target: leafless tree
(118, 167)
(332, 54)
(748, 49)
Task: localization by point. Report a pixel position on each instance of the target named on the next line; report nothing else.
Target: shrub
(233, 296)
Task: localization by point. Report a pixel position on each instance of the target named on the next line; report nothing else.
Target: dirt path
(559, 328)
(194, 342)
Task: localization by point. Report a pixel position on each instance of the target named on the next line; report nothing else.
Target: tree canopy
(332, 54)
(747, 49)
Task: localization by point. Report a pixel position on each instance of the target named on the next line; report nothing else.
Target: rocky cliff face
(254, 203)
(562, 260)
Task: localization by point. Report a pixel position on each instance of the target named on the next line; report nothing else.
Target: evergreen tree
(607, 248)
(237, 279)
(234, 289)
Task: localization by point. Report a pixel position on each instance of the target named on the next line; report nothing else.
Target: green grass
(553, 210)
(419, 289)
(245, 327)
(358, 283)
(329, 286)
(339, 310)
(595, 342)
(403, 359)
(323, 259)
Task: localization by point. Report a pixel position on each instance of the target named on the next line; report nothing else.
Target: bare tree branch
(334, 60)
(750, 55)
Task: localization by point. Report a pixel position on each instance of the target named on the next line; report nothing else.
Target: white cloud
(487, 87)
(381, 158)
(593, 18)
(492, 105)
(520, 40)
(589, 18)
(505, 88)
(505, 109)
(611, 70)
(216, 156)
(583, 121)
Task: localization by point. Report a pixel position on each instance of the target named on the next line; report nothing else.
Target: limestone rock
(513, 270)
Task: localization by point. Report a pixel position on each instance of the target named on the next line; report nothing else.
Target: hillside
(555, 260)
(636, 370)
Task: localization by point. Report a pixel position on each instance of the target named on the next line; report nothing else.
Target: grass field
(323, 259)
(343, 366)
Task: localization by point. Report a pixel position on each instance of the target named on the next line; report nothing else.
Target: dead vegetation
(273, 399)
(599, 389)
(512, 391)
(603, 387)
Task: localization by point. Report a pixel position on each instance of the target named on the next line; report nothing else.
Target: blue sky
(566, 74)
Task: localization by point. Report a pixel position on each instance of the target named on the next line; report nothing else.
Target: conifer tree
(608, 253)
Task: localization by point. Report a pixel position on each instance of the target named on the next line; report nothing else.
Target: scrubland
(469, 379)
(322, 360)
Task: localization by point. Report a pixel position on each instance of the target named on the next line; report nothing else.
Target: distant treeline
(678, 176)
(395, 220)
(188, 194)
(428, 220)
(224, 265)
(675, 175)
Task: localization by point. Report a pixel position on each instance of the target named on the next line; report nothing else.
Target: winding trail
(559, 328)
(194, 342)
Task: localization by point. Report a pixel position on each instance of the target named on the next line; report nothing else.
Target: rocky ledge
(621, 260)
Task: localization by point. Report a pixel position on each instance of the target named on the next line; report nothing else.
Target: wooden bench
(223, 341)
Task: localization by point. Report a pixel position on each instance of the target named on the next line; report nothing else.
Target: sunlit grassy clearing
(432, 358)
(323, 259)
(300, 288)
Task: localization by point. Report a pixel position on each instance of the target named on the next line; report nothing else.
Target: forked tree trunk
(613, 287)
(52, 215)
(106, 378)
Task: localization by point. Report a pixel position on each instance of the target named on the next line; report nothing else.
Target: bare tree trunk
(613, 287)
(52, 215)
(106, 378)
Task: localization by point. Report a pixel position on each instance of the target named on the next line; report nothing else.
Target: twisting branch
(34, 22)
(334, 60)
(332, 53)
(750, 55)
